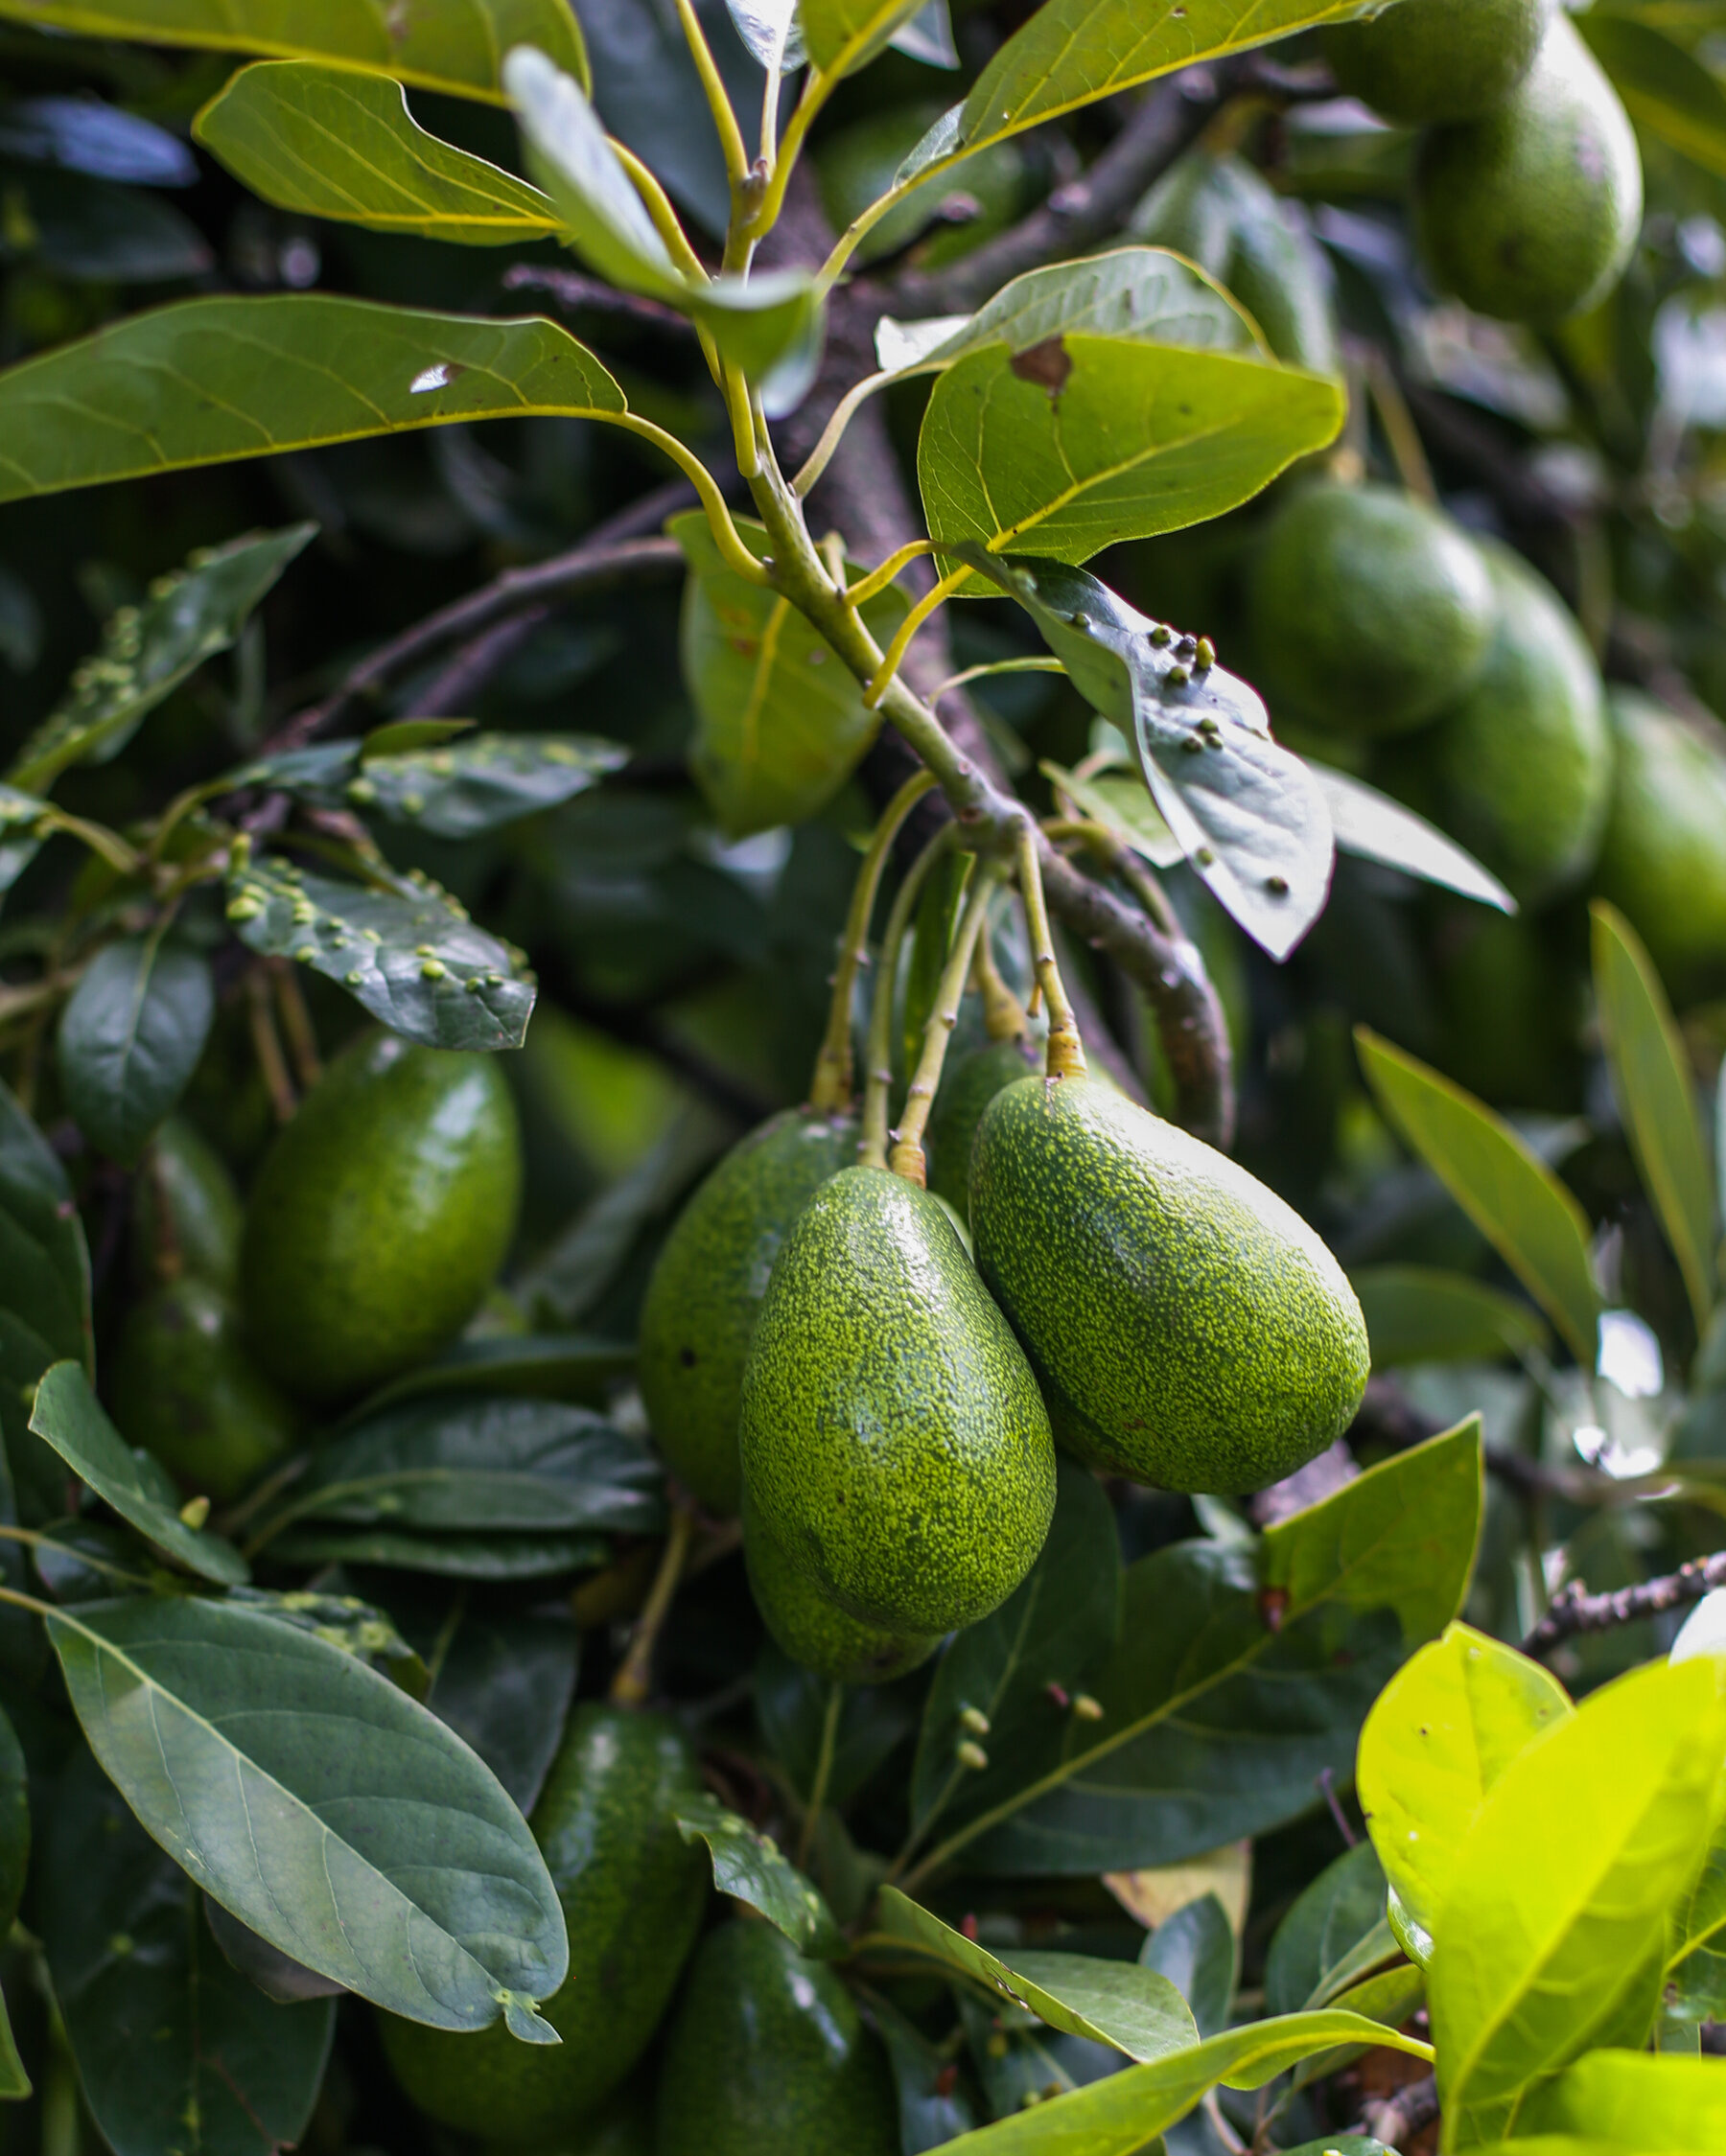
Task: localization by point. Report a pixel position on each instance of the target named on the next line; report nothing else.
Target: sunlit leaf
(1145, 295)
(772, 30)
(842, 36)
(1631, 2100)
(1371, 825)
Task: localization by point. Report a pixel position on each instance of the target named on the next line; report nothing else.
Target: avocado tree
(861, 1103)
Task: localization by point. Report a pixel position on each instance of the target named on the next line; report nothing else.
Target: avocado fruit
(1523, 763)
(1532, 213)
(380, 1215)
(965, 1092)
(186, 1211)
(1427, 61)
(1367, 611)
(187, 1389)
(622, 2127)
(767, 2055)
(1663, 859)
(706, 1291)
(633, 1892)
(1189, 1328)
(894, 1444)
(814, 1631)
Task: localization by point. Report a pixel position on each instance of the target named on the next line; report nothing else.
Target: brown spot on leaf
(1046, 364)
(1274, 1608)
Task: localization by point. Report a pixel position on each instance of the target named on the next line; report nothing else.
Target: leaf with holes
(129, 1039)
(752, 1867)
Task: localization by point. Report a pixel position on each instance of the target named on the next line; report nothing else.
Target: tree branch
(1575, 1611)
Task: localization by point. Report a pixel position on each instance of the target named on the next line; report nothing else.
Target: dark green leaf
(94, 233)
(545, 1366)
(409, 953)
(433, 1901)
(276, 1974)
(1416, 1313)
(68, 1414)
(791, 1704)
(343, 1621)
(483, 782)
(504, 1682)
(935, 2100)
(1340, 1908)
(752, 1867)
(1668, 91)
(501, 1556)
(1019, 2061)
(15, 1825)
(1371, 825)
(1197, 1950)
(43, 1258)
(129, 1039)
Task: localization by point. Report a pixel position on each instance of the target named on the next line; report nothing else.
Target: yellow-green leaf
(1634, 2100)
(842, 36)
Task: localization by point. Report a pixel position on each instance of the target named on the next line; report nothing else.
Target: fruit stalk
(872, 1147)
(1004, 1016)
(907, 1157)
(1067, 1053)
(633, 1681)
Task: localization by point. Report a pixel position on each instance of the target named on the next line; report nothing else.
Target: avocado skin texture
(1531, 214)
(1189, 1328)
(1663, 861)
(1524, 762)
(965, 1092)
(1367, 611)
(186, 1212)
(767, 2055)
(894, 1443)
(186, 1389)
(1426, 61)
(705, 1293)
(380, 1215)
(633, 1892)
(814, 1631)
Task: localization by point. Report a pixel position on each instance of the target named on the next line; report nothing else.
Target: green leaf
(1657, 1099)
(129, 1039)
(482, 782)
(1144, 296)
(327, 142)
(1377, 828)
(343, 1621)
(1134, 2009)
(1245, 1671)
(842, 36)
(70, 1417)
(1342, 1907)
(1666, 91)
(791, 1704)
(432, 1902)
(20, 838)
(1552, 1935)
(503, 1680)
(1197, 1950)
(773, 31)
(1515, 1200)
(147, 650)
(210, 380)
(752, 1867)
(408, 953)
(544, 1366)
(44, 1260)
(455, 50)
(782, 723)
(1630, 2100)
(1419, 1313)
(1123, 808)
(14, 1824)
(499, 1556)
(936, 2103)
(164, 2030)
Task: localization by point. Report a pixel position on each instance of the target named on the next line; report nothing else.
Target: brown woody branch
(1575, 1611)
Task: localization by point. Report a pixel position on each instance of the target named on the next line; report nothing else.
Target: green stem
(871, 1153)
(633, 1680)
(725, 119)
(737, 557)
(1004, 1016)
(824, 1772)
(1067, 1055)
(882, 678)
(907, 1157)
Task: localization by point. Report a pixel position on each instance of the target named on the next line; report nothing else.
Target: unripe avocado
(186, 1389)
(1189, 1328)
(1663, 861)
(186, 1212)
(705, 1293)
(894, 1444)
(633, 1892)
(1424, 60)
(1369, 611)
(814, 1631)
(966, 1090)
(1524, 762)
(624, 2127)
(1531, 214)
(380, 1215)
(767, 2055)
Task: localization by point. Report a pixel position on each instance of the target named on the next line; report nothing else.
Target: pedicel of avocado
(1427, 60)
(894, 1444)
(707, 1287)
(767, 2055)
(186, 1389)
(380, 1215)
(633, 1892)
(1369, 611)
(186, 1212)
(1663, 860)
(965, 1091)
(1531, 214)
(1189, 1328)
(814, 1631)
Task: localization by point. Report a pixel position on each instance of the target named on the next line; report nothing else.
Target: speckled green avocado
(186, 1389)
(705, 1293)
(965, 1092)
(186, 1212)
(1524, 762)
(767, 2055)
(894, 1439)
(633, 1892)
(1369, 611)
(380, 1215)
(1531, 214)
(1663, 861)
(1425, 60)
(814, 1631)
(1189, 1328)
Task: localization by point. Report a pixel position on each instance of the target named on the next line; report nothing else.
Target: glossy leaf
(1145, 295)
(772, 30)
(498, 1556)
(129, 1039)
(1630, 2100)
(44, 1261)
(1419, 1313)
(1551, 1938)
(344, 1824)
(842, 36)
(1329, 1921)
(1515, 1200)
(327, 142)
(1657, 1099)
(409, 953)
(752, 1867)
(1371, 825)
(1197, 1950)
(209, 380)
(150, 649)
(439, 49)
(70, 1417)
(1666, 90)
(782, 723)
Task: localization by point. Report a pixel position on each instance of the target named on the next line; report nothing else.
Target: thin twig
(267, 1044)
(1404, 2114)
(1575, 1610)
(574, 293)
(474, 665)
(824, 1772)
(633, 1681)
